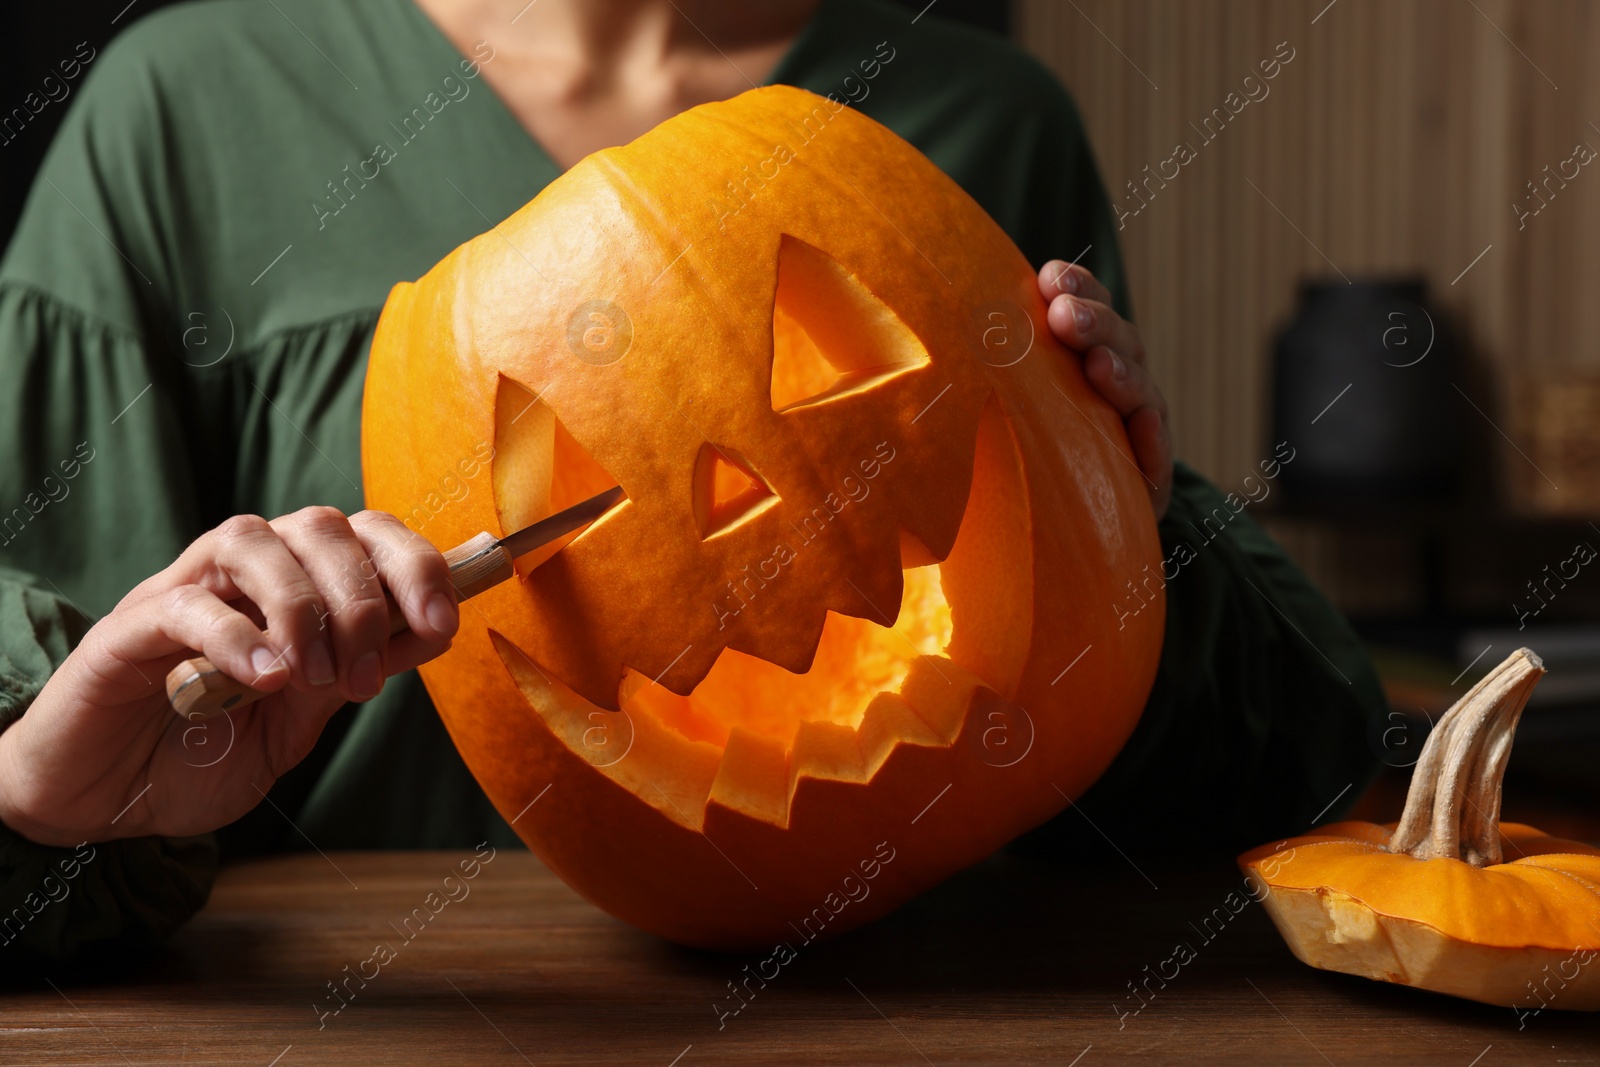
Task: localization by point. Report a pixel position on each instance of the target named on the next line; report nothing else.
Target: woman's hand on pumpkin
(1081, 317)
(295, 606)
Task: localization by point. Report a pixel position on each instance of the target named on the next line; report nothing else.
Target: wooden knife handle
(199, 690)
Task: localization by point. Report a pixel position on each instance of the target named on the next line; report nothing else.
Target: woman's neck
(604, 36)
(581, 75)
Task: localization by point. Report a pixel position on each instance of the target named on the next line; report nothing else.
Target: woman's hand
(1081, 317)
(294, 606)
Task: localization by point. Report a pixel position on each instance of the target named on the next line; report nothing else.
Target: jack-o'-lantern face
(771, 484)
(855, 554)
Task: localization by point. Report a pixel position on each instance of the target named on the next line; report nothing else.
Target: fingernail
(1119, 369)
(366, 677)
(441, 613)
(1066, 281)
(264, 660)
(1083, 315)
(319, 664)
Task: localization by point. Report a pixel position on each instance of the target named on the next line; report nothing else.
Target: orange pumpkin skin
(1522, 934)
(645, 301)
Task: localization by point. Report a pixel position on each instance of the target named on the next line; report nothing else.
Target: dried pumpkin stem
(1453, 807)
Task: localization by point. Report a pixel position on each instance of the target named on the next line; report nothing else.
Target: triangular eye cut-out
(830, 336)
(539, 467)
(727, 490)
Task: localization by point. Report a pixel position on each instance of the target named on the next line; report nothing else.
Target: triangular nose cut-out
(539, 468)
(727, 490)
(830, 336)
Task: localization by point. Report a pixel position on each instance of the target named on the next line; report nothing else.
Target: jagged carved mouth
(751, 731)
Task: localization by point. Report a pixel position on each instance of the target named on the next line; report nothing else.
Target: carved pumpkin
(874, 514)
(1448, 899)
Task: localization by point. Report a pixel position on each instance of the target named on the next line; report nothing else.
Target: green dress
(185, 314)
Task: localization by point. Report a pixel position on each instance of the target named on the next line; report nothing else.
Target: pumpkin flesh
(1395, 906)
(1343, 903)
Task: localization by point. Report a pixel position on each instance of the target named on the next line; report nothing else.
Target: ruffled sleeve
(97, 491)
(92, 504)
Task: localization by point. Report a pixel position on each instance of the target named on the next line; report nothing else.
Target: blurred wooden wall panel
(1395, 142)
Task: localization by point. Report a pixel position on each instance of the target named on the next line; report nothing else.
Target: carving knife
(199, 690)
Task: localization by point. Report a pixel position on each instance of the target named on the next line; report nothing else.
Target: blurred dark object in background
(35, 37)
(1362, 380)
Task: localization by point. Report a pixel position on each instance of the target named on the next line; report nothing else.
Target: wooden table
(1011, 962)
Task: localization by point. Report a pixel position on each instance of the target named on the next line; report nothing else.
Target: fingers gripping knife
(199, 690)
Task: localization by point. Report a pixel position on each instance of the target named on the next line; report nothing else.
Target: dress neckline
(800, 51)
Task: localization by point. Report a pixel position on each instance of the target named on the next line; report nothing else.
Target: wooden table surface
(1010, 962)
